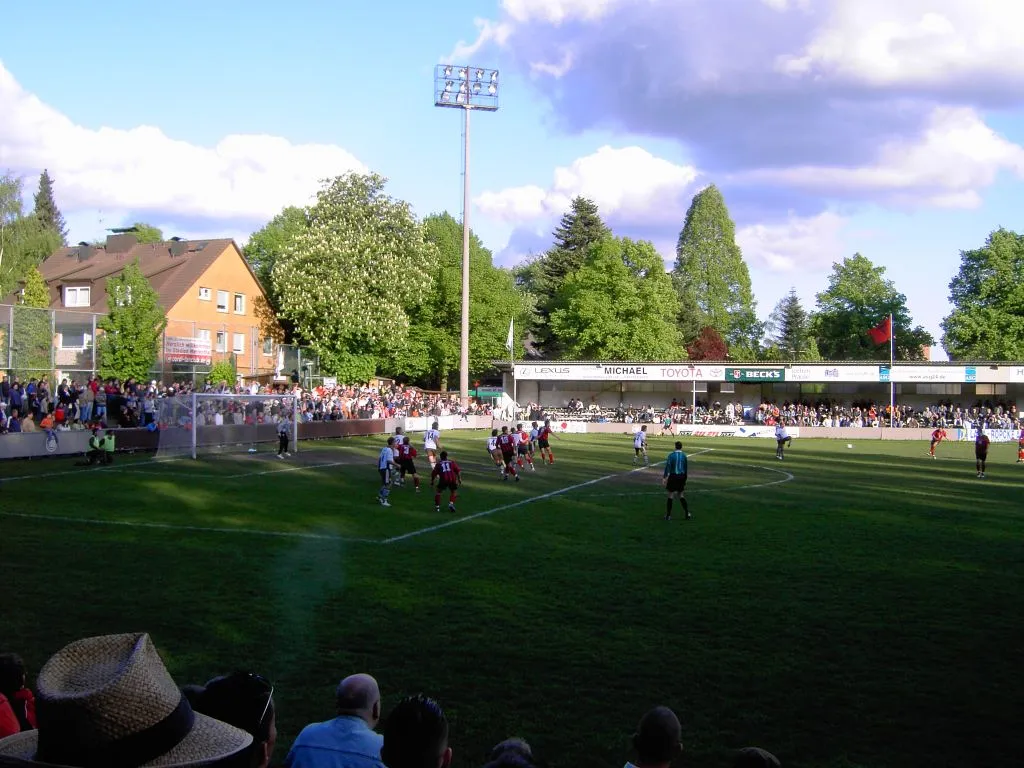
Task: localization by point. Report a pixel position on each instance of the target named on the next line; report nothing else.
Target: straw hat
(109, 702)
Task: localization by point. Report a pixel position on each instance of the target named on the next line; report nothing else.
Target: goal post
(222, 423)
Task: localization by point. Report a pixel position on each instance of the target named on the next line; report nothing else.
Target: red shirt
(939, 434)
(406, 451)
(524, 437)
(447, 470)
(505, 443)
(545, 433)
(981, 444)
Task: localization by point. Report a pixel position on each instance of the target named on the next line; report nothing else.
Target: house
(208, 290)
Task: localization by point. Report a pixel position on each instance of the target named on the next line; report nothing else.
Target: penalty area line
(517, 504)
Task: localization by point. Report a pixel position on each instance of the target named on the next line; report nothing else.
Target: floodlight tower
(466, 88)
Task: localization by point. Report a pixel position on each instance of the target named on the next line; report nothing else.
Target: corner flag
(510, 341)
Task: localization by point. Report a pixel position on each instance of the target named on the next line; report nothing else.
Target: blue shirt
(675, 464)
(344, 742)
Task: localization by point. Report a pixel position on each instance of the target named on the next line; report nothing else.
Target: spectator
(511, 753)
(17, 705)
(347, 741)
(755, 757)
(658, 739)
(416, 735)
(244, 700)
(109, 701)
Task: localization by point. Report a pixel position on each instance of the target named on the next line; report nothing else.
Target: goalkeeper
(284, 430)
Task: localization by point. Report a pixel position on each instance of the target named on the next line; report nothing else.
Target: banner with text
(755, 375)
(994, 435)
(836, 373)
(710, 430)
(601, 372)
(183, 349)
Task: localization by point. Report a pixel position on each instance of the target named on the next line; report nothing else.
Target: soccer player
(666, 424)
(431, 443)
(674, 481)
(385, 464)
(980, 451)
(448, 477)
(543, 442)
(406, 454)
(937, 437)
(1020, 448)
(782, 438)
(284, 431)
(494, 452)
(507, 446)
(640, 446)
(523, 447)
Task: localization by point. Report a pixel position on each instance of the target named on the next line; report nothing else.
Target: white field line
(788, 477)
(79, 471)
(194, 528)
(522, 503)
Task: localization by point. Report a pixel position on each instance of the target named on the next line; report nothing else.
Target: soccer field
(843, 607)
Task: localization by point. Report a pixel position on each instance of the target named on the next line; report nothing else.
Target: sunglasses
(268, 686)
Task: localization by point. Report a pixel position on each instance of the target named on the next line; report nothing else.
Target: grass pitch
(844, 607)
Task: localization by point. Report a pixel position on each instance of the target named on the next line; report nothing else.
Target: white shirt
(492, 444)
(387, 458)
(780, 432)
(534, 433)
(430, 439)
(639, 439)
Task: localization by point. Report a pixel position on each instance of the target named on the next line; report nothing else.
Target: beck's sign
(755, 375)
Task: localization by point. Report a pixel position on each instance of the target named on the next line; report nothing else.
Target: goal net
(195, 424)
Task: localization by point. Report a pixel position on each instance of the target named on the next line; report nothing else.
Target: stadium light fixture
(470, 95)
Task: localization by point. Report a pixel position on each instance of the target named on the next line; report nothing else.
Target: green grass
(865, 613)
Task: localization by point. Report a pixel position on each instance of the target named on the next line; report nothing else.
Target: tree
(24, 241)
(132, 329)
(579, 230)
(788, 332)
(266, 245)
(618, 305)
(223, 370)
(46, 210)
(432, 349)
(710, 275)
(859, 297)
(146, 233)
(32, 337)
(709, 345)
(36, 293)
(987, 294)
(346, 281)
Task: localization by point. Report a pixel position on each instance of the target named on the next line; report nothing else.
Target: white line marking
(788, 477)
(522, 503)
(79, 471)
(195, 528)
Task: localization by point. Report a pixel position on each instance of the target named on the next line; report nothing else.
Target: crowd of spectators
(832, 413)
(110, 701)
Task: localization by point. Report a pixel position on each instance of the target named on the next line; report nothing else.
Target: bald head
(658, 738)
(359, 696)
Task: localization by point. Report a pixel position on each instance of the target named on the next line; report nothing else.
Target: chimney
(178, 248)
(86, 252)
(121, 243)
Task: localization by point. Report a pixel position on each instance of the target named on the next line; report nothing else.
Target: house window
(73, 339)
(204, 294)
(222, 341)
(990, 389)
(268, 347)
(239, 344)
(76, 297)
(239, 303)
(203, 334)
(222, 301)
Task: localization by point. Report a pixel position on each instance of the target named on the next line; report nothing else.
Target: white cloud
(627, 184)
(242, 178)
(804, 244)
(957, 155)
(558, 11)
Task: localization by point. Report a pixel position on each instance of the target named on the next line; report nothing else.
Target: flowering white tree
(347, 280)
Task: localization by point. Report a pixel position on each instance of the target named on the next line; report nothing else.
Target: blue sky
(832, 126)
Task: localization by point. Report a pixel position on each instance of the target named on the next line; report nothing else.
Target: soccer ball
(849, 445)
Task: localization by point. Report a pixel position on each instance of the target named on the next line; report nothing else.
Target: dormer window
(78, 296)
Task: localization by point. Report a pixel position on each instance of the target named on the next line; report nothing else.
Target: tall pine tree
(46, 209)
(712, 278)
(788, 335)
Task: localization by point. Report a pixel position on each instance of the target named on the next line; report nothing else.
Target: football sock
(452, 497)
(686, 507)
(437, 499)
(668, 506)
(416, 480)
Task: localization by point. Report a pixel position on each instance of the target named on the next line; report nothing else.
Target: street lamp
(466, 88)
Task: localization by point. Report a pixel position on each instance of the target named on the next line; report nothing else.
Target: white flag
(509, 342)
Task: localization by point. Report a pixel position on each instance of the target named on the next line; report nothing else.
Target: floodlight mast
(466, 88)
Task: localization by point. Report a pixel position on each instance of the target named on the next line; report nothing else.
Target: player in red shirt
(449, 478)
(1020, 448)
(507, 446)
(980, 451)
(937, 437)
(523, 447)
(406, 454)
(543, 438)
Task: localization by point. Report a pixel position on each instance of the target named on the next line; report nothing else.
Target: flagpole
(512, 366)
(892, 384)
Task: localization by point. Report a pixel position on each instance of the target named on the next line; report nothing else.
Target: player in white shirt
(431, 443)
(640, 446)
(534, 434)
(495, 452)
(385, 463)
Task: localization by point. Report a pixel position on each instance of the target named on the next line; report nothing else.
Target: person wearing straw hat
(109, 702)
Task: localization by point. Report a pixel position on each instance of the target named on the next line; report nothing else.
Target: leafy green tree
(619, 305)
(266, 245)
(32, 339)
(46, 210)
(348, 280)
(432, 349)
(36, 293)
(857, 299)
(788, 332)
(987, 294)
(223, 370)
(146, 233)
(580, 228)
(710, 275)
(24, 241)
(709, 345)
(133, 328)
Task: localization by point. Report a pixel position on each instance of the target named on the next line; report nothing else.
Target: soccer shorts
(542, 444)
(523, 450)
(408, 467)
(981, 456)
(676, 483)
(445, 485)
(508, 457)
(495, 454)
(639, 449)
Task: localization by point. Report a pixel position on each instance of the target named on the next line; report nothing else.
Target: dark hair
(511, 753)
(416, 734)
(12, 674)
(242, 699)
(657, 736)
(679, 446)
(444, 455)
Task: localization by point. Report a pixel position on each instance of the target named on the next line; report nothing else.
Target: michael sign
(625, 370)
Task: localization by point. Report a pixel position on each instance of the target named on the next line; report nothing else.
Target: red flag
(882, 332)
